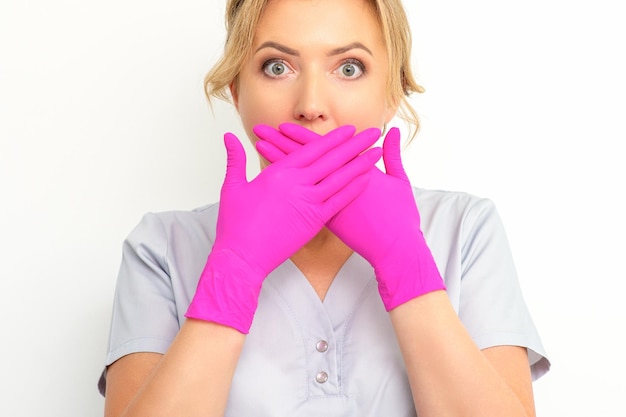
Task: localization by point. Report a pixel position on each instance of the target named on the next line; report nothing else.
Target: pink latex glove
(263, 222)
(382, 224)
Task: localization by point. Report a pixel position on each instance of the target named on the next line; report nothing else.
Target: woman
(320, 295)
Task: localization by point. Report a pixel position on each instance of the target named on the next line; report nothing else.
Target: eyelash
(356, 63)
(266, 65)
(349, 61)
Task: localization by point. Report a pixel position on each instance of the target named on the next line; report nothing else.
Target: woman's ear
(234, 93)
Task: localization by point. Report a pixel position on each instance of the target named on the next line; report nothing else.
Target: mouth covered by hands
(382, 223)
(262, 222)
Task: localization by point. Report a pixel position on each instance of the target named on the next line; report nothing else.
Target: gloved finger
(289, 137)
(340, 155)
(391, 155)
(335, 182)
(276, 138)
(236, 161)
(268, 151)
(345, 196)
(297, 133)
(314, 151)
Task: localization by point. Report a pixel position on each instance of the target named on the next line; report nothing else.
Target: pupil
(278, 69)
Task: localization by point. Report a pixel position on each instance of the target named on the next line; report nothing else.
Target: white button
(321, 377)
(322, 346)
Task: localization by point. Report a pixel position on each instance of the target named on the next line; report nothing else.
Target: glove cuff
(412, 274)
(227, 292)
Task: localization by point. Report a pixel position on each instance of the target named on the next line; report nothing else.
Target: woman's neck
(321, 259)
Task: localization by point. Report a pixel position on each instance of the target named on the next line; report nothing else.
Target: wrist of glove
(408, 271)
(229, 291)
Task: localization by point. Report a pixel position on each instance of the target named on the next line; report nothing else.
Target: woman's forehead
(308, 22)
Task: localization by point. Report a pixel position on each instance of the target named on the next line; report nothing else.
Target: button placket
(321, 346)
(323, 371)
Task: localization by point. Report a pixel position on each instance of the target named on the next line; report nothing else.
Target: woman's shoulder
(450, 202)
(455, 214)
(200, 214)
(198, 222)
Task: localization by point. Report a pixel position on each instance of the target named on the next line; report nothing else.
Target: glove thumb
(236, 160)
(391, 155)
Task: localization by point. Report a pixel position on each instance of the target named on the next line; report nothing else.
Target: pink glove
(382, 224)
(263, 222)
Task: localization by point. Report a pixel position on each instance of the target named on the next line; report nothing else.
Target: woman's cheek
(266, 109)
(364, 109)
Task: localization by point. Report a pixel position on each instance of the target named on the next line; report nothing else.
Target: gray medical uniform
(337, 357)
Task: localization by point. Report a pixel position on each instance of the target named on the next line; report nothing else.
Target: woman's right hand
(263, 222)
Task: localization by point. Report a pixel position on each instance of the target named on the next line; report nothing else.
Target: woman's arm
(192, 379)
(449, 375)
(125, 377)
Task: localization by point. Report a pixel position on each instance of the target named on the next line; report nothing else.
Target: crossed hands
(313, 181)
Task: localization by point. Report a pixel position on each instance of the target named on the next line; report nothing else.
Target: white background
(103, 118)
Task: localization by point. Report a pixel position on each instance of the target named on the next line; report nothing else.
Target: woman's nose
(312, 100)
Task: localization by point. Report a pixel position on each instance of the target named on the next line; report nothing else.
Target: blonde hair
(242, 17)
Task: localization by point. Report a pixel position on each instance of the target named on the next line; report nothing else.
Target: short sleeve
(144, 317)
(491, 304)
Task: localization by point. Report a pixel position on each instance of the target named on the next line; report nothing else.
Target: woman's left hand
(382, 224)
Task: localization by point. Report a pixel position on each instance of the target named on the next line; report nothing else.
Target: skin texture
(449, 375)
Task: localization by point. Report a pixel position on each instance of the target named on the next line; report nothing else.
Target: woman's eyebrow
(353, 45)
(280, 47)
(337, 51)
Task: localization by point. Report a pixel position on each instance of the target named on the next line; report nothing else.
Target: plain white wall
(102, 118)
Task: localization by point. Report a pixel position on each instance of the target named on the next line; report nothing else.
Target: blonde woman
(323, 286)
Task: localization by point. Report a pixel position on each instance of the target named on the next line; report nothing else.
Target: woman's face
(318, 63)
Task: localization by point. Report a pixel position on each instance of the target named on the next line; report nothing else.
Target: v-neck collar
(343, 295)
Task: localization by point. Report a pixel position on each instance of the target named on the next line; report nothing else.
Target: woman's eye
(274, 68)
(352, 69)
